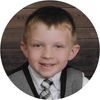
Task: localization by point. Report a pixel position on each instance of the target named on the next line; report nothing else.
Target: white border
(8, 8)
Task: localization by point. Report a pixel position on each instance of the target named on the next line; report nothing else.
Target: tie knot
(46, 83)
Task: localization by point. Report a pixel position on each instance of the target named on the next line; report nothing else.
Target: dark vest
(71, 81)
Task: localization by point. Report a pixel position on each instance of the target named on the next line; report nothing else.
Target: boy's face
(49, 49)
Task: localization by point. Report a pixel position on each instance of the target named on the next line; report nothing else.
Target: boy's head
(49, 41)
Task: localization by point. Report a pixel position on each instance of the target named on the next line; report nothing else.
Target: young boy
(49, 42)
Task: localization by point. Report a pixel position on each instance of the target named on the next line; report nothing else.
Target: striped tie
(46, 89)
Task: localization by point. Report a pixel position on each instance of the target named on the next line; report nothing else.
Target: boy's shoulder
(19, 69)
(19, 79)
(18, 74)
(74, 81)
(73, 72)
(74, 75)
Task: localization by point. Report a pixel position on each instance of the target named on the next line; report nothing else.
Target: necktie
(46, 89)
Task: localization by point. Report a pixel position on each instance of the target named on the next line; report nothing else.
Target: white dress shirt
(55, 88)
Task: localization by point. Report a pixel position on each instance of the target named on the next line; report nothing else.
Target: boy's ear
(74, 51)
(23, 47)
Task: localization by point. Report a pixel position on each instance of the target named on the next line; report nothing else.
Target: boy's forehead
(61, 26)
(42, 31)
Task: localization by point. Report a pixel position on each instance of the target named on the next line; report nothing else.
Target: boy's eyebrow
(56, 42)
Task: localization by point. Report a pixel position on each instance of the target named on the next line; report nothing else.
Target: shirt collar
(37, 79)
(56, 80)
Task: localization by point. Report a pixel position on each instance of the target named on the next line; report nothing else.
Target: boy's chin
(47, 75)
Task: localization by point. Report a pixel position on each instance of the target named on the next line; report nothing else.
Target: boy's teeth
(46, 64)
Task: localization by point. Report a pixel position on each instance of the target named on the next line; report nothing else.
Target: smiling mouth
(47, 64)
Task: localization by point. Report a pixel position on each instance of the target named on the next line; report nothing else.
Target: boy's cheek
(33, 56)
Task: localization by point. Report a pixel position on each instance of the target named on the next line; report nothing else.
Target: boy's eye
(37, 45)
(59, 46)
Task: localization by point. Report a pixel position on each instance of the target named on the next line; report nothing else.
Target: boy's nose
(47, 53)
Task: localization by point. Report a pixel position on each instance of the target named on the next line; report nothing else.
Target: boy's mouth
(47, 64)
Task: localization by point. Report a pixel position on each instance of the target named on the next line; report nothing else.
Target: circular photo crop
(50, 50)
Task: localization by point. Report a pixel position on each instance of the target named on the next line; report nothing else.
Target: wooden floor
(87, 58)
